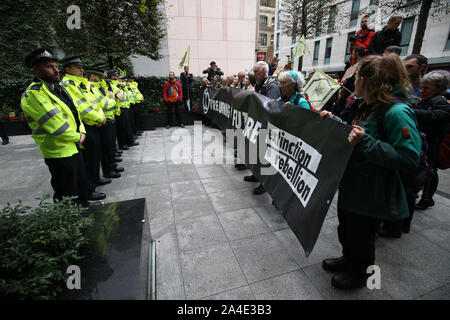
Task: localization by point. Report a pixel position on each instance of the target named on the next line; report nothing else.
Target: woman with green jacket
(386, 142)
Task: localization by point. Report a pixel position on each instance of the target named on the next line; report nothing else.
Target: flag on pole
(301, 48)
(320, 88)
(186, 58)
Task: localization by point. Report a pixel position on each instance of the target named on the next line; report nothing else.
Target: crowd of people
(399, 114)
(82, 122)
(400, 118)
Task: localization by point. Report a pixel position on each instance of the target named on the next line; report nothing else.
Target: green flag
(301, 48)
(186, 58)
(320, 88)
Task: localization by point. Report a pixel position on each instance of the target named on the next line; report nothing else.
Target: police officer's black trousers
(3, 134)
(91, 154)
(130, 124)
(107, 147)
(357, 236)
(68, 178)
(122, 139)
(170, 106)
(137, 118)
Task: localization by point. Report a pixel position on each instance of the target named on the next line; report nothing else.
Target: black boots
(424, 204)
(335, 264)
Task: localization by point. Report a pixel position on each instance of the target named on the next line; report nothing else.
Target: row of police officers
(76, 121)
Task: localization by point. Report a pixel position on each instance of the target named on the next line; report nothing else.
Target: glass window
(373, 2)
(447, 44)
(347, 51)
(267, 3)
(316, 53)
(318, 27)
(263, 39)
(278, 41)
(328, 51)
(354, 13)
(263, 20)
(271, 39)
(294, 38)
(332, 19)
(407, 26)
(278, 20)
(273, 21)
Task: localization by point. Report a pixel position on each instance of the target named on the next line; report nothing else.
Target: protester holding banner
(386, 142)
(187, 79)
(291, 85)
(267, 86)
(246, 85)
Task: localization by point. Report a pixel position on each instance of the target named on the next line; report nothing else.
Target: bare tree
(310, 18)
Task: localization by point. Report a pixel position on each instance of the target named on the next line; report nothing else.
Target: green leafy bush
(151, 87)
(37, 245)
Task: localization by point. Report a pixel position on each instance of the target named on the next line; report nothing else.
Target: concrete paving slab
(242, 223)
(210, 270)
(261, 257)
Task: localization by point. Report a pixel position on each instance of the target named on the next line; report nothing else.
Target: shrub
(37, 245)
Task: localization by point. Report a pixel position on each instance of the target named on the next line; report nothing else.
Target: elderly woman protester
(386, 142)
(433, 115)
(291, 85)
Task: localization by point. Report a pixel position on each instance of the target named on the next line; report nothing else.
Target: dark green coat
(371, 184)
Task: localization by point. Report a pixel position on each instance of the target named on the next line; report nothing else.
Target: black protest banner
(299, 157)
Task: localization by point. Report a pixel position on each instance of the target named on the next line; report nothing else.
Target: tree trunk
(303, 30)
(421, 25)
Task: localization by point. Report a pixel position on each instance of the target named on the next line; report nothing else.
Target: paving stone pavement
(216, 240)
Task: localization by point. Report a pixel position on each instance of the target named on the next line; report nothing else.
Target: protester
(386, 142)
(186, 79)
(363, 37)
(433, 115)
(267, 86)
(241, 75)
(173, 96)
(273, 66)
(389, 36)
(246, 85)
(416, 66)
(216, 82)
(235, 83)
(392, 49)
(291, 85)
(212, 71)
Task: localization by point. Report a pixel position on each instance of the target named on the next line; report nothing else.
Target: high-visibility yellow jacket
(121, 89)
(136, 94)
(123, 72)
(116, 91)
(78, 88)
(139, 95)
(107, 104)
(53, 125)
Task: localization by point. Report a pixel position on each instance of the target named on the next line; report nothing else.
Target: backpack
(299, 96)
(415, 180)
(444, 153)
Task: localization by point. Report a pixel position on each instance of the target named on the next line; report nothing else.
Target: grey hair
(286, 76)
(262, 65)
(441, 79)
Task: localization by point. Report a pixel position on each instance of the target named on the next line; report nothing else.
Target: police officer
(92, 117)
(137, 98)
(108, 104)
(56, 126)
(112, 95)
(119, 66)
(124, 134)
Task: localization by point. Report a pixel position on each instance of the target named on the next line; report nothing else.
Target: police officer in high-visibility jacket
(108, 104)
(92, 117)
(137, 98)
(56, 127)
(124, 135)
